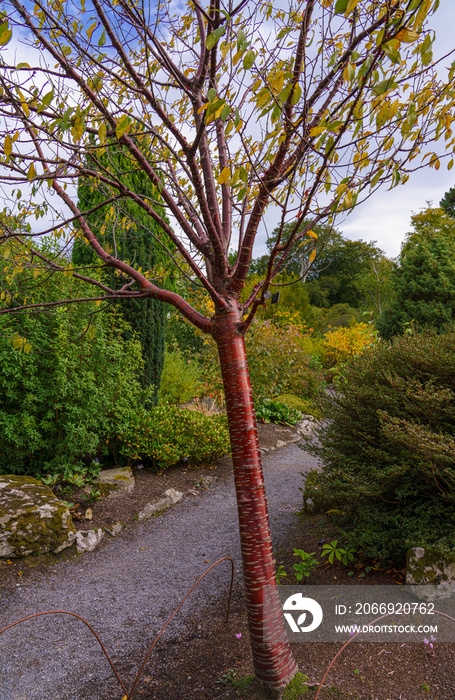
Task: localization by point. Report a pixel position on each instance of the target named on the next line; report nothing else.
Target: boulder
(430, 572)
(115, 482)
(32, 519)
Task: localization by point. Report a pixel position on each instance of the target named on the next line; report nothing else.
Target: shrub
(388, 447)
(277, 363)
(343, 343)
(180, 379)
(67, 380)
(165, 435)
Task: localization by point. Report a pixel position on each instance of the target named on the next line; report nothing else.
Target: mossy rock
(32, 520)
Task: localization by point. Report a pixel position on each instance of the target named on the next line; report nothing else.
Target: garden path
(128, 587)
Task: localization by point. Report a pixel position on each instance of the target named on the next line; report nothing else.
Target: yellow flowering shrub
(342, 343)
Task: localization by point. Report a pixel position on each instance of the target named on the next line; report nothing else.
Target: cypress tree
(125, 229)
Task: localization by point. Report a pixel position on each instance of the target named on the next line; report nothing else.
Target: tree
(228, 110)
(424, 282)
(338, 270)
(125, 227)
(448, 202)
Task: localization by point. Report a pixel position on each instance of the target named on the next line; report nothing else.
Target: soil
(210, 659)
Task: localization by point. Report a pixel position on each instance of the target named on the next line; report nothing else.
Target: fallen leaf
(88, 514)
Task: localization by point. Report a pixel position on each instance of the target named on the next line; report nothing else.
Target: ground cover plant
(229, 111)
(388, 446)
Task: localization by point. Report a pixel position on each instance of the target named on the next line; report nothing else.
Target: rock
(88, 540)
(115, 529)
(307, 425)
(281, 443)
(154, 508)
(32, 520)
(171, 496)
(115, 482)
(174, 495)
(431, 571)
(206, 482)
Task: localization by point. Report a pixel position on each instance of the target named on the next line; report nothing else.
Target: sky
(385, 218)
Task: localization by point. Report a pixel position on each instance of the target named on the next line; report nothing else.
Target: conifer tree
(424, 282)
(130, 233)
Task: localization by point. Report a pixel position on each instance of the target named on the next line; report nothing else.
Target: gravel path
(128, 587)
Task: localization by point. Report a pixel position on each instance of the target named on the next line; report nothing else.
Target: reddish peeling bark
(273, 661)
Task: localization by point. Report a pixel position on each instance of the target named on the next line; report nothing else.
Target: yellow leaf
(91, 29)
(102, 133)
(31, 172)
(350, 7)
(407, 36)
(278, 82)
(8, 146)
(316, 130)
(312, 234)
(224, 176)
(201, 109)
(312, 256)
(348, 200)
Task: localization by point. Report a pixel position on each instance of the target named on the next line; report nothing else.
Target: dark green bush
(67, 380)
(388, 447)
(165, 435)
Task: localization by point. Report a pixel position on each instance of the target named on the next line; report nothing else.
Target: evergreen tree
(424, 282)
(448, 202)
(124, 227)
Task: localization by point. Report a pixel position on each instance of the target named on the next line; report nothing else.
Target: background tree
(228, 110)
(448, 202)
(127, 230)
(424, 281)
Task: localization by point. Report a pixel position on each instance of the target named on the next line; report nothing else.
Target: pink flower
(238, 635)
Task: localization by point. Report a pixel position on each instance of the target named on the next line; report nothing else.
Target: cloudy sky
(385, 218)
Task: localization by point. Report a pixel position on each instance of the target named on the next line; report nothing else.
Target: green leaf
(340, 6)
(211, 94)
(213, 37)
(102, 39)
(384, 86)
(225, 113)
(249, 59)
(122, 126)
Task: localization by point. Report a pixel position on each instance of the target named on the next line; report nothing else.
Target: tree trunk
(274, 664)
